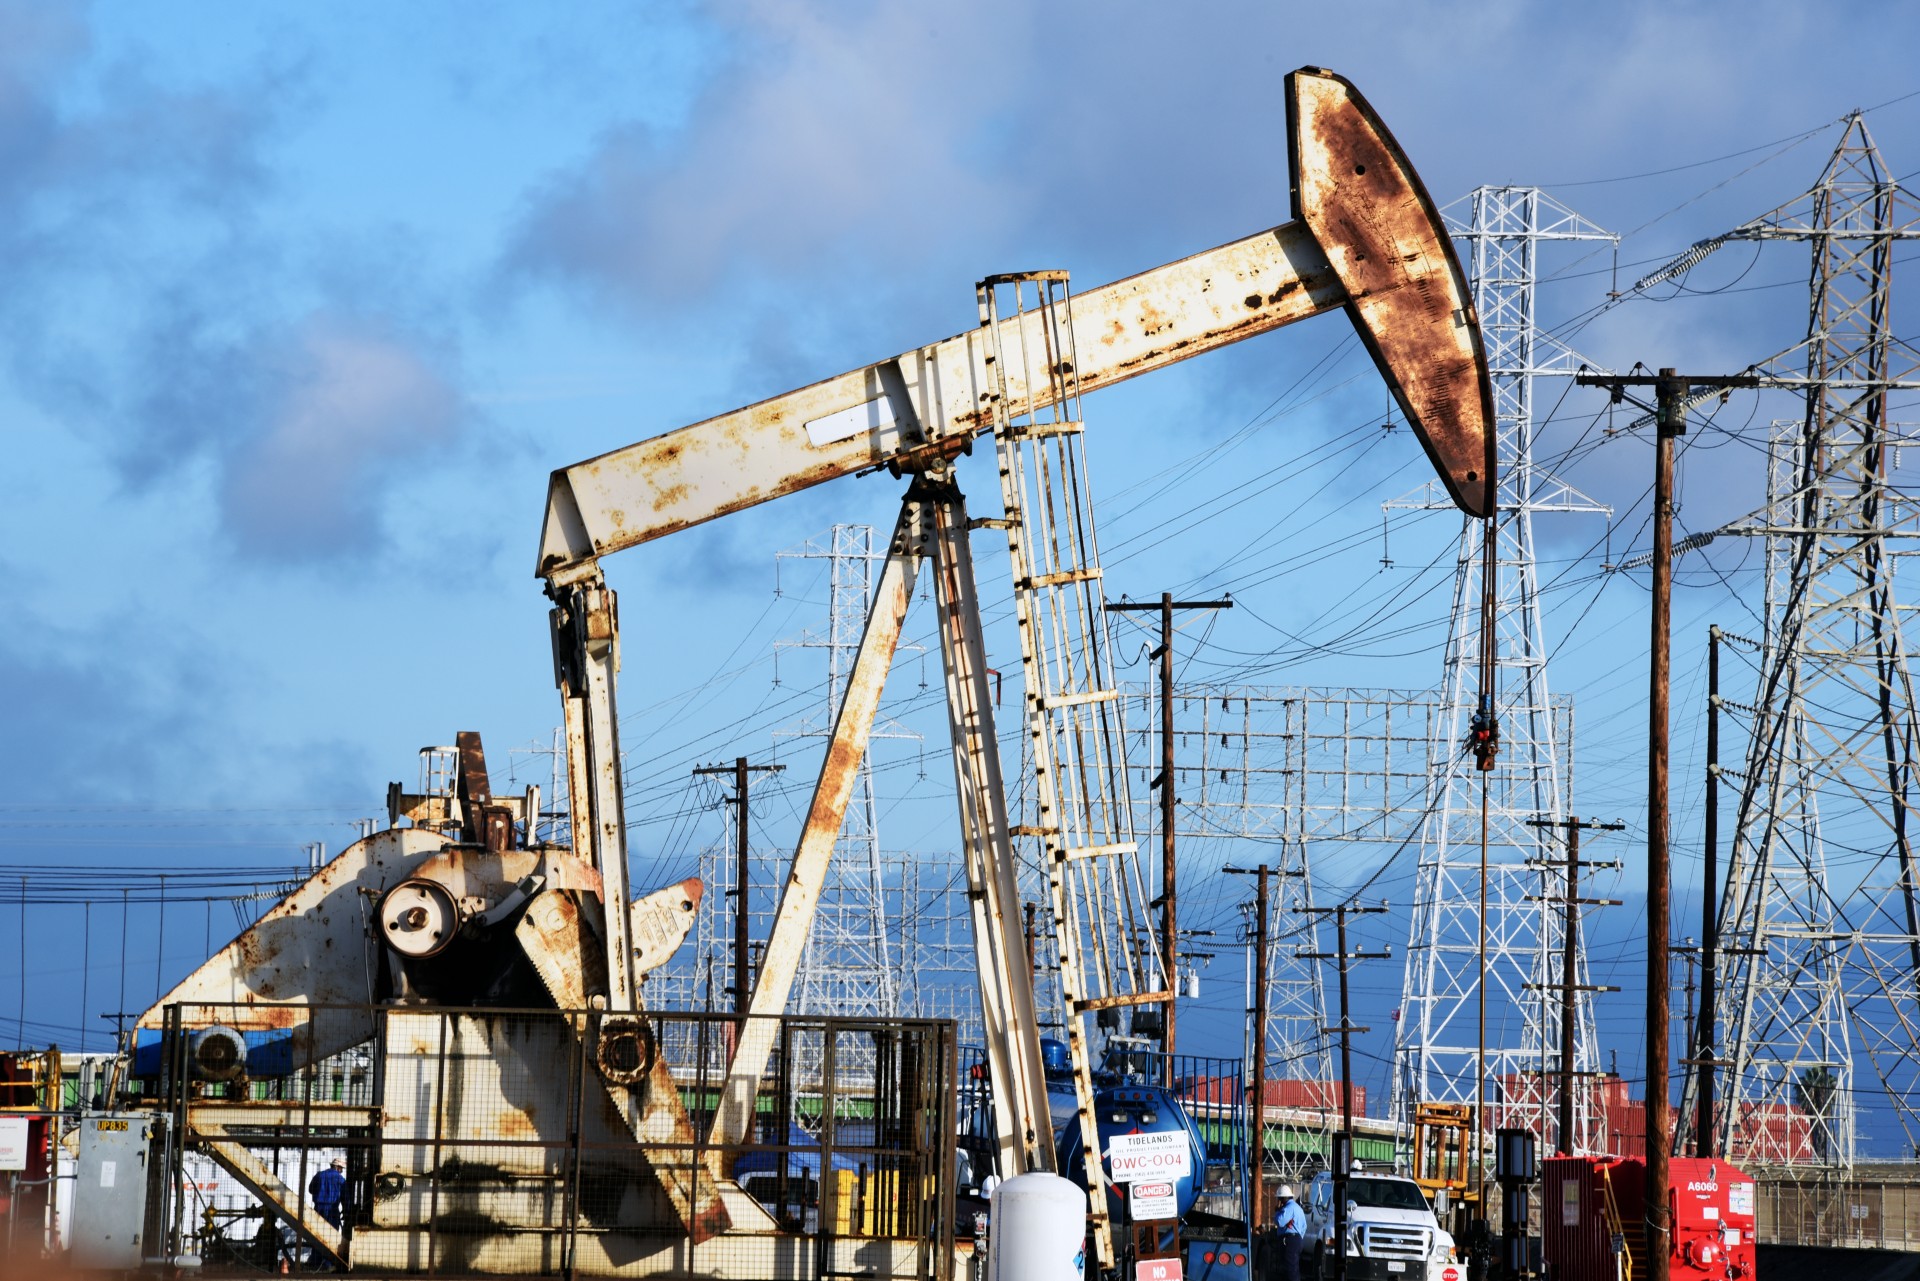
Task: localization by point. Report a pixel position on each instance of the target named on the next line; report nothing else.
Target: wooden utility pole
(1345, 1029)
(1670, 421)
(1169, 926)
(1570, 986)
(742, 874)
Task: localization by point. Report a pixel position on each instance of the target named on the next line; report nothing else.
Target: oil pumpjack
(413, 941)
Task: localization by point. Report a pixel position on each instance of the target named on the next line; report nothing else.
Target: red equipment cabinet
(1586, 1201)
(1713, 1232)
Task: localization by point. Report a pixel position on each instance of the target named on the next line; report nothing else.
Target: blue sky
(304, 302)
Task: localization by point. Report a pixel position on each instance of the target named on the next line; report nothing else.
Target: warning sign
(1134, 1157)
(1150, 1201)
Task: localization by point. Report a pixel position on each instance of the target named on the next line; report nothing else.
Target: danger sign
(1134, 1157)
(1153, 1201)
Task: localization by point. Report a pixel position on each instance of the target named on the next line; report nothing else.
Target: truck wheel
(1320, 1270)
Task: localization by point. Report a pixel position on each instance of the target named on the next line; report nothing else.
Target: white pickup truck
(1392, 1234)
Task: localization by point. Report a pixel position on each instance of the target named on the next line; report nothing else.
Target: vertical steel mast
(1437, 1049)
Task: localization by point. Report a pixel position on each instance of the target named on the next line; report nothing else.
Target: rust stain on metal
(662, 1124)
(1383, 237)
(514, 1125)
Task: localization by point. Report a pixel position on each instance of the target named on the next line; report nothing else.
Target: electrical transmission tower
(851, 965)
(1440, 1040)
(1247, 759)
(1819, 928)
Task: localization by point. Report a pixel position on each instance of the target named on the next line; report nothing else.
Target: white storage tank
(1038, 1230)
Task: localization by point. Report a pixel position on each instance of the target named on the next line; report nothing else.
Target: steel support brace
(1011, 1023)
(839, 772)
(586, 656)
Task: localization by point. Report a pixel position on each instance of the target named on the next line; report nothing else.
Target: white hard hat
(340, 1162)
(1286, 1192)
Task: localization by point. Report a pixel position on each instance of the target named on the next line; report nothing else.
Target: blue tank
(1137, 1109)
(1063, 1104)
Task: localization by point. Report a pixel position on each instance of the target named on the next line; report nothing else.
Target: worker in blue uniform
(328, 1189)
(1290, 1223)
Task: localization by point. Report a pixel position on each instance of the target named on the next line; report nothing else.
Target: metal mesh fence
(518, 1142)
(1852, 1213)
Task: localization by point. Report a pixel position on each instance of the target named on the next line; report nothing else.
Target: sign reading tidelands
(1166, 1155)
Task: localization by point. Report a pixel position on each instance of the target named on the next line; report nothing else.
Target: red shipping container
(1576, 1228)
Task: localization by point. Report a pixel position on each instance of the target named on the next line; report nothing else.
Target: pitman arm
(1365, 237)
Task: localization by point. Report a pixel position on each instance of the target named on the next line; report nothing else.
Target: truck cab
(1392, 1234)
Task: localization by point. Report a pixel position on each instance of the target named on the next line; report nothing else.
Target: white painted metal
(1398, 279)
(587, 660)
(938, 393)
(850, 966)
(1022, 1123)
(1039, 1230)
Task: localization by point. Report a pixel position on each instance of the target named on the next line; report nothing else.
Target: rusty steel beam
(586, 660)
(1366, 237)
(839, 770)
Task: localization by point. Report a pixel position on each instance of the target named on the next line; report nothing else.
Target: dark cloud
(857, 143)
(815, 139)
(302, 411)
(844, 171)
(97, 152)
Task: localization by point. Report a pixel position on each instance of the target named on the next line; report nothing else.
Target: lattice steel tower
(1246, 771)
(851, 964)
(1437, 1042)
(1819, 929)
